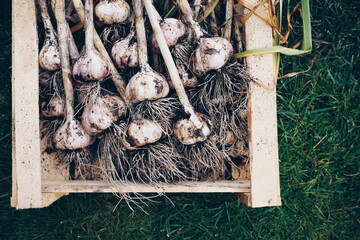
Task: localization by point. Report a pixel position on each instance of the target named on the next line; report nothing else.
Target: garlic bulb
(49, 56)
(187, 133)
(125, 52)
(187, 78)
(54, 108)
(72, 136)
(90, 67)
(211, 54)
(99, 115)
(146, 85)
(172, 29)
(45, 78)
(144, 132)
(226, 140)
(110, 12)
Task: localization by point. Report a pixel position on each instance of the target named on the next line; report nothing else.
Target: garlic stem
(89, 25)
(115, 76)
(189, 17)
(64, 54)
(228, 19)
(197, 6)
(174, 74)
(140, 33)
(213, 23)
(74, 52)
(49, 29)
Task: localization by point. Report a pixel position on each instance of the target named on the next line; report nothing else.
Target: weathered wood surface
(58, 186)
(25, 107)
(263, 142)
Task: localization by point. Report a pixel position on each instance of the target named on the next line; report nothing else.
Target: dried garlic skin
(101, 114)
(117, 11)
(144, 132)
(146, 85)
(54, 108)
(187, 133)
(211, 54)
(90, 67)
(125, 52)
(49, 57)
(172, 29)
(71, 136)
(226, 140)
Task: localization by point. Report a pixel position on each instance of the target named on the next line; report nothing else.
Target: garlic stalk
(115, 76)
(70, 135)
(74, 52)
(110, 12)
(146, 84)
(199, 124)
(91, 66)
(49, 57)
(228, 19)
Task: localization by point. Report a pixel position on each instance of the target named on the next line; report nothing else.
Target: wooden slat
(26, 151)
(104, 187)
(264, 163)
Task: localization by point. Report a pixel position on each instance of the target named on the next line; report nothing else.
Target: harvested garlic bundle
(199, 124)
(173, 29)
(91, 66)
(125, 52)
(54, 108)
(49, 57)
(144, 131)
(102, 113)
(110, 12)
(146, 84)
(71, 134)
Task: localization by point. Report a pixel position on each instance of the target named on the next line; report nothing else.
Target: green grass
(319, 131)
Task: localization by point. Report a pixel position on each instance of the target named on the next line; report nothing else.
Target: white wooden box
(38, 181)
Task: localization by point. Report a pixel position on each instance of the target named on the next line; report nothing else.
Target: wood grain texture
(264, 163)
(25, 72)
(57, 186)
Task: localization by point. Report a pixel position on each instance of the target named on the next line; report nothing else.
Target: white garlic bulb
(125, 52)
(211, 54)
(54, 108)
(172, 29)
(99, 115)
(71, 136)
(49, 56)
(144, 132)
(146, 85)
(187, 133)
(110, 12)
(90, 67)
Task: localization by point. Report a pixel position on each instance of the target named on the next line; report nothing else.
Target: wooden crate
(38, 180)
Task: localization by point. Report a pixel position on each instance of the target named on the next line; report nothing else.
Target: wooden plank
(264, 163)
(27, 186)
(105, 187)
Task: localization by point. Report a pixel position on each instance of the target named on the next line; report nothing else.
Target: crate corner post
(263, 139)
